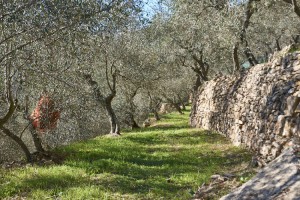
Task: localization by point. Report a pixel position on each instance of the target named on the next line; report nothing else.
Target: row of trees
(95, 59)
(106, 67)
(211, 36)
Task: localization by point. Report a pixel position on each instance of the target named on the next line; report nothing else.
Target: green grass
(294, 48)
(166, 161)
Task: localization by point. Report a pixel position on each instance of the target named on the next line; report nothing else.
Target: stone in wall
(258, 108)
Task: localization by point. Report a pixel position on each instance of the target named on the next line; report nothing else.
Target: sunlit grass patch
(166, 161)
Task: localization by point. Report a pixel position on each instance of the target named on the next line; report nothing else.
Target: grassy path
(166, 161)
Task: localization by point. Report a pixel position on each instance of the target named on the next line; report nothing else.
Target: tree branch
(235, 57)
(95, 87)
(12, 103)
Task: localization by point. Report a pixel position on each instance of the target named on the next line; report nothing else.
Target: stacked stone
(259, 108)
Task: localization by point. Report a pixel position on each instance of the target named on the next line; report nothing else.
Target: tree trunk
(248, 14)
(154, 106)
(249, 55)
(196, 86)
(18, 140)
(106, 101)
(296, 39)
(235, 57)
(278, 48)
(134, 124)
(8, 115)
(198, 83)
(251, 58)
(177, 107)
(174, 103)
(156, 115)
(6, 83)
(114, 124)
(183, 106)
(181, 102)
(36, 140)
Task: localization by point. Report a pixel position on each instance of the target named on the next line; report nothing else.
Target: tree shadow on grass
(125, 184)
(163, 161)
(46, 182)
(161, 128)
(143, 165)
(174, 149)
(134, 167)
(203, 136)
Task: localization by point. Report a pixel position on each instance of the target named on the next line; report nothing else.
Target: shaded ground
(280, 179)
(166, 161)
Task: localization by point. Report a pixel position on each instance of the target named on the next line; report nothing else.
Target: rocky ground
(280, 179)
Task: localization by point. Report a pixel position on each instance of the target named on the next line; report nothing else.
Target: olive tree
(31, 34)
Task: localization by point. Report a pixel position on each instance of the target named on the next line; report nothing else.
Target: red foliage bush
(45, 117)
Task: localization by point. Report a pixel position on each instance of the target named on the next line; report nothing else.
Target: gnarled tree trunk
(235, 57)
(154, 106)
(114, 124)
(9, 114)
(19, 141)
(36, 140)
(243, 39)
(106, 102)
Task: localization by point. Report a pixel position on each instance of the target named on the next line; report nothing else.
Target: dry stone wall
(258, 108)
